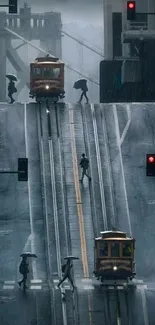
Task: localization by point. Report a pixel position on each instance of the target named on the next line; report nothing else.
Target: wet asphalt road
(136, 215)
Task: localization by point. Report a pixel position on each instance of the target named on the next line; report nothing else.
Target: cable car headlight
(47, 87)
(114, 268)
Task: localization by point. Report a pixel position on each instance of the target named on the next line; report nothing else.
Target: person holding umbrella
(11, 86)
(66, 269)
(23, 268)
(82, 84)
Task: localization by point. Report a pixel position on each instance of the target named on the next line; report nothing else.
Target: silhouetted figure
(84, 89)
(84, 163)
(11, 90)
(24, 270)
(67, 273)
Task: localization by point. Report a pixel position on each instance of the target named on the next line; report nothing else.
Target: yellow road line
(78, 196)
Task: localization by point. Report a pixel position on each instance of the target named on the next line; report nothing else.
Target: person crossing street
(24, 270)
(67, 273)
(84, 163)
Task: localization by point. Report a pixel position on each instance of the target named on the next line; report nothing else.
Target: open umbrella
(28, 254)
(80, 83)
(71, 257)
(11, 76)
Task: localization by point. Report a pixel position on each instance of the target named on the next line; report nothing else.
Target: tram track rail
(52, 177)
(97, 127)
(101, 183)
(108, 206)
(97, 185)
(96, 229)
(61, 222)
(36, 199)
(92, 150)
(46, 210)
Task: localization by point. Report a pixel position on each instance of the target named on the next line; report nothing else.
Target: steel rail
(104, 214)
(44, 194)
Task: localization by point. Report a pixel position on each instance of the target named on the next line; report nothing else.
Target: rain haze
(47, 205)
(83, 21)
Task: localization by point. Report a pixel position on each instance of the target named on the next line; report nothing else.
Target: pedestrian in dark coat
(67, 273)
(84, 163)
(24, 270)
(84, 89)
(11, 90)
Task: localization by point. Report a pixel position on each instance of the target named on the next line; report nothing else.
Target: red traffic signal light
(131, 10)
(150, 165)
(151, 159)
(131, 5)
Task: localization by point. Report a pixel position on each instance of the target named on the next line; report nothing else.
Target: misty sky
(83, 11)
(81, 21)
(80, 10)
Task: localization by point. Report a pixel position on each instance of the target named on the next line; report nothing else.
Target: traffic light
(23, 169)
(131, 10)
(12, 6)
(150, 165)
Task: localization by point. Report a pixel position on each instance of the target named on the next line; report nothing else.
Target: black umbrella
(11, 76)
(80, 83)
(71, 257)
(28, 254)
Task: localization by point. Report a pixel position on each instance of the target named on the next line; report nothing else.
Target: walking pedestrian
(24, 270)
(67, 273)
(84, 89)
(11, 90)
(84, 163)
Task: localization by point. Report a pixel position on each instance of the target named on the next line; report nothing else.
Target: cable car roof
(47, 59)
(114, 238)
(113, 233)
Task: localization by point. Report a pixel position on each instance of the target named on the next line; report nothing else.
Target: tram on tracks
(47, 79)
(114, 256)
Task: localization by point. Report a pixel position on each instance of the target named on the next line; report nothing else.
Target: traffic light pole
(8, 6)
(22, 171)
(7, 172)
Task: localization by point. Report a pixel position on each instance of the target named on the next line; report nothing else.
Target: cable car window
(47, 72)
(37, 71)
(56, 72)
(103, 249)
(127, 249)
(51, 73)
(115, 249)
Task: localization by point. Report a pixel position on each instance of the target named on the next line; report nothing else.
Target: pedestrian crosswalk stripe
(36, 281)
(67, 287)
(8, 287)
(144, 286)
(34, 284)
(36, 287)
